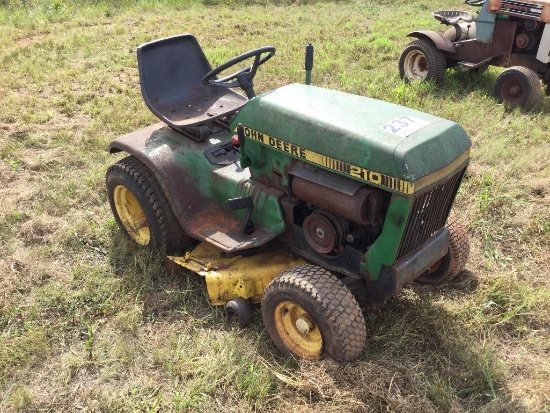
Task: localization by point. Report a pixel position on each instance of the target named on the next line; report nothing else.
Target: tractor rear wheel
(309, 312)
(452, 264)
(518, 86)
(141, 208)
(421, 60)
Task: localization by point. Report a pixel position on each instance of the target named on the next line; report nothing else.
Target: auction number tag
(405, 125)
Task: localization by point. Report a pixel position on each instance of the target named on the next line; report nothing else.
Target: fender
(155, 147)
(442, 43)
(190, 181)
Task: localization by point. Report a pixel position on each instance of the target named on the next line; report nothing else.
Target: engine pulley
(324, 232)
(523, 41)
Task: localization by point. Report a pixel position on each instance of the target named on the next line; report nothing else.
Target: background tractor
(506, 33)
(314, 202)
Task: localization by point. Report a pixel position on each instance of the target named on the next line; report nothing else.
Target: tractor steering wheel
(475, 3)
(243, 77)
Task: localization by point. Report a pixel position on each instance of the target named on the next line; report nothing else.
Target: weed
(488, 375)
(89, 336)
(485, 196)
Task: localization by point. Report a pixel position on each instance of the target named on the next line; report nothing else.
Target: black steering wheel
(475, 3)
(243, 77)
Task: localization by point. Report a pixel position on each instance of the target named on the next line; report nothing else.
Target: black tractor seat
(170, 73)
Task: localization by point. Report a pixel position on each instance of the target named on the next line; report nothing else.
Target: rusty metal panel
(529, 61)
(197, 190)
(499, 49)
(442, 43)
(404, 271)
(362, 207)
(325, 178)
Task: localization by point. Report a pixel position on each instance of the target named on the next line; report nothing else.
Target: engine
(335, 211)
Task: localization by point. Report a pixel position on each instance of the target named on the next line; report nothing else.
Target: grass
(87, 322)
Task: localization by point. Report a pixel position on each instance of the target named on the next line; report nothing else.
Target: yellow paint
(237, 276)
(297, 330)
(132, 215)
(446, 171)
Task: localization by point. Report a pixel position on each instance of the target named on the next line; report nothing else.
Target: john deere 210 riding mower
(315, 203)
(512, 34)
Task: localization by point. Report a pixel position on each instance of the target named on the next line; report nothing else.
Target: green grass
(87, 322)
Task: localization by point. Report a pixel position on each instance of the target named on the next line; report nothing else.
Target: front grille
(521, 9)
(428, 215)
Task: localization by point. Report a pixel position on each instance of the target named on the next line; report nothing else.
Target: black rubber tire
(238, 310)
(133, 176)
(421, 60)
(454, 262)
(518, 86)
(328, 304)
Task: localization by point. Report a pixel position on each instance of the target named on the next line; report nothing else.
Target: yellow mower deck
(235, 276)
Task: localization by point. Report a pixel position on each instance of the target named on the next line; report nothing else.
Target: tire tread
(531, 82)
(335, 302)
(436, 60)
(171, 238)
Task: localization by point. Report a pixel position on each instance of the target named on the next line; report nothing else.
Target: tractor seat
(453, 16)
(170, 74)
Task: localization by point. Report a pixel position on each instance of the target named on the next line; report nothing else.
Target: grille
(428, 215)
(521, 9)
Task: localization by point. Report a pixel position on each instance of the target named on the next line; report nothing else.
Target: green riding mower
(506, 33)
(315, 203)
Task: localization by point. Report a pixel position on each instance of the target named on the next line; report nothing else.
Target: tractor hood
(350, 131)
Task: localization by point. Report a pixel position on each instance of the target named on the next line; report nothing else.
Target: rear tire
(141, 209)
(421, 60)
(308, 312)
(518, 86)
(452, 264)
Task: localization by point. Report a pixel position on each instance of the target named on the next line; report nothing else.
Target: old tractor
(314, 202)
(511, 34)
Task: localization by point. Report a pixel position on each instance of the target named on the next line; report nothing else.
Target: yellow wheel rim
(131, 215)
(297, 330)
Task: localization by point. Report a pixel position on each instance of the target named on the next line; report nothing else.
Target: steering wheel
(475, 3)
(243, 77)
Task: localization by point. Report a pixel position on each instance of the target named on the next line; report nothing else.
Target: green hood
(369, 133)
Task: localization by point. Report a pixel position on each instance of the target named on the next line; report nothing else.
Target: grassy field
(88, 323)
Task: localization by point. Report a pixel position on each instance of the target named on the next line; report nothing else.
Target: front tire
(452, 264)
(421, 60)
(308, 312)
(518, 86)
(141, 208)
